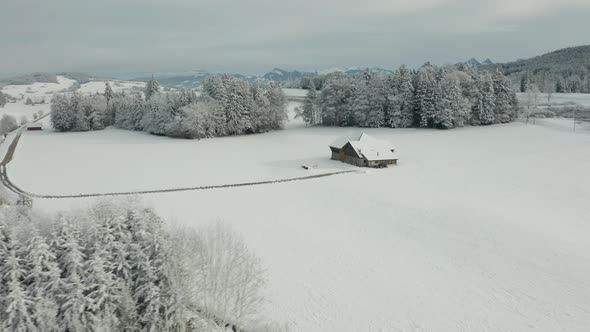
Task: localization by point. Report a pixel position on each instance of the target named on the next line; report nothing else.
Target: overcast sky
(253, 36)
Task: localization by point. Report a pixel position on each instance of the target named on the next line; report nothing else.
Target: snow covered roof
(35, 125)
(366, 146)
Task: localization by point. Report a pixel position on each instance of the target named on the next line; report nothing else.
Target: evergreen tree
(450, 104)
(503, 99)
(360, 105)
(102, 292)
(309, 105)
(74, 314)
(486, 103)
(63, 115)
(426, 98)
(151, 88)
(18, 304)
(108, 92)
(377, 96)
(3, 98)
(559, 87)
(43, 283)
(402, 103)
(524, 84)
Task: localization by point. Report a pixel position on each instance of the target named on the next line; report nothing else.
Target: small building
(35, 126)
(364, 151)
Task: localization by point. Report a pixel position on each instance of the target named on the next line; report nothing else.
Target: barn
(35, 126)
(364, 151)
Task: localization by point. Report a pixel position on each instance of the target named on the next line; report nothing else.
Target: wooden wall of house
(354, 161)
(350, 151)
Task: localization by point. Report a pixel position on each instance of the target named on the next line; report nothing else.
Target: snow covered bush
(3, 99)
(222, 276)
(116, 267)
(7, 124)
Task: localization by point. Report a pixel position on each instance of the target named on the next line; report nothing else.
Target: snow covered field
(37, 92)
(480, 228)
(295, 92)
(559, 99)
(477, 229)
(117, 86)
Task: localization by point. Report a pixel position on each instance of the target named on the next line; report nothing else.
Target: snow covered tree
(63, 117)
(406, 97)
(485, 103)
(221, 275)
(108, 92)
(93, 113)
(152, 87)
(103, 292)
(74, 314)
(456, 107)
(278, 105)
(360, 105)
(426, 97)
(17, 302)
(43, 282)
(238, 106)
(377, 96)
(3, 98)
(503, 99)
(7, 124)
(309, 105)
(524, 83)
(147, 257)
(158, 115)
(445, 116)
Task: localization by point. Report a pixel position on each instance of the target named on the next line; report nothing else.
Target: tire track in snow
(8, 158)
(195, 188)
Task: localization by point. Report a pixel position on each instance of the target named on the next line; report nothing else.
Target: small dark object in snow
(304, 167)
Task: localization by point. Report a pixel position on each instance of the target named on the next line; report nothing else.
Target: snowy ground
(37, 92)
(559, 99)
(295, 92)
(117, 86)
(479, 228)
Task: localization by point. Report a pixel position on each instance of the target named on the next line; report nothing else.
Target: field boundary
(170, 190)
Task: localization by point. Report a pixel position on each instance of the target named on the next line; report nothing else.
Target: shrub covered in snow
(7, 124)
(116, 268)
(3, 99)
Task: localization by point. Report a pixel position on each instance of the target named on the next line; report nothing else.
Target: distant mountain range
(195, 78)
(567, 70)
(474, 62)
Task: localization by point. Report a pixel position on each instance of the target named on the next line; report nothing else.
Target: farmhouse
(364, 151)
(35, 126)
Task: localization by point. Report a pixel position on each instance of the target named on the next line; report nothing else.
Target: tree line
(429, 97)
(227, 106)
(116, 268)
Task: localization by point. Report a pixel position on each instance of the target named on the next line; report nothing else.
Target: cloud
(256, 35)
